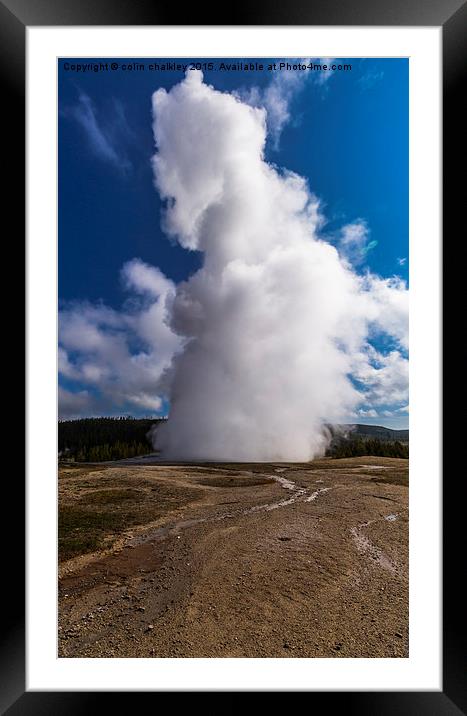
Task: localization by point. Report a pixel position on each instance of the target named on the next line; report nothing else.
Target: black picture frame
(15, 17)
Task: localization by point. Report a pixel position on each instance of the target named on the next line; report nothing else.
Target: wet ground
(239, 560)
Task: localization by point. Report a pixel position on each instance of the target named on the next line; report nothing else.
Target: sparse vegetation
(229, 482)
(110, 497)
(82, 530)
(96, 505)
(391, 477)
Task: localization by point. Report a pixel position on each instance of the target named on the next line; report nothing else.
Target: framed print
(221, 225)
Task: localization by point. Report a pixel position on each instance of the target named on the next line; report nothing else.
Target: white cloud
(370, 78)
(145, 279)
(122, 355)
(402, 261)
(385, 377)
(278, 96)
(65, 368)
(388, 306)
(354, 243)
(322, 77)
(354, 235)
(371, 413)
(105, 140)
(74, 404)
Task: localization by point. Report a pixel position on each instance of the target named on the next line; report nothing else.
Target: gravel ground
(241, 560)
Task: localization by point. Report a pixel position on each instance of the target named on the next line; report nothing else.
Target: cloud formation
(385, 377)
(105, 140)
(354, 242)
(74, 404)
(120, 356)
(369, 79)
(278, 95)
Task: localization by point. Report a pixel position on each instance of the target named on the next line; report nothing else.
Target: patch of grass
(235, 468)
(111, 497)
(332, 463)
(391, 478)
(89, 519)
(234, 481)
(83, 530)
(69, 547)
(72, 469)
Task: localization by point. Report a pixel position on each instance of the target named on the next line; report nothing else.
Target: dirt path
(259, 561)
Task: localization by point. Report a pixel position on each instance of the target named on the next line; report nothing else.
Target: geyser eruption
(275, 322)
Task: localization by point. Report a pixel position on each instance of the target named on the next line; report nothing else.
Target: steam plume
(275, 322)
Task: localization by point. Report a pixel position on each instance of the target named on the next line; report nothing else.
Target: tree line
(357, 447)
(101, 439)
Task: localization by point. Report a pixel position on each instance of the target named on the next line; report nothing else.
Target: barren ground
(234, 560)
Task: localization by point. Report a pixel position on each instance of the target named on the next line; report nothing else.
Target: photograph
(233, 357)
(227, 382)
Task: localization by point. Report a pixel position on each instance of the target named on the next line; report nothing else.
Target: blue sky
(347, 134)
